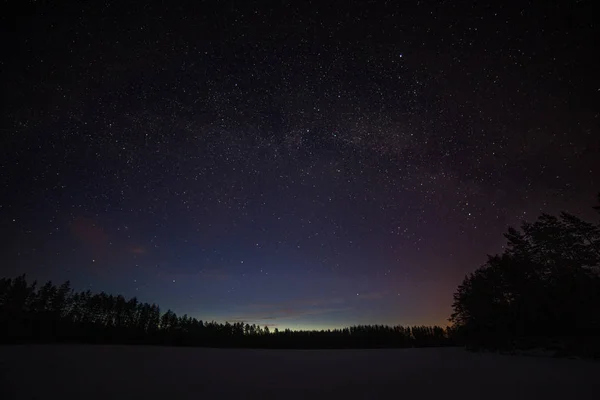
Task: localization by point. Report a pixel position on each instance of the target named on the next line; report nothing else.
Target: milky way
(301, 166)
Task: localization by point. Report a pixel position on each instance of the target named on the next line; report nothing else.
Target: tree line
(543, 291)
(52, 313)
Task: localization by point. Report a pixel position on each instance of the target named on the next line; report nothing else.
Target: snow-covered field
(131, 372)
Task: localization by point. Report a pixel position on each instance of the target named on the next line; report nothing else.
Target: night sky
(301, 164)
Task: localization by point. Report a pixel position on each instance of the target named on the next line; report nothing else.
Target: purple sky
(301, 166)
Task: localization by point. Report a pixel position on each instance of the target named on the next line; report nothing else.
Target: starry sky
(296, 164)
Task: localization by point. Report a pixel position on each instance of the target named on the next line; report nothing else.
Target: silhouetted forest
(53, 313)
(542, 292)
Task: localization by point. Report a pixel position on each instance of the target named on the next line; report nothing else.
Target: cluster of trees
(53, 313)
(543, 291)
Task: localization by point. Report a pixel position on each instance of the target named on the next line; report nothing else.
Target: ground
(139, 372)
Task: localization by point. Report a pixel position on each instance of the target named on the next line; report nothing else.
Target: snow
(140, 372)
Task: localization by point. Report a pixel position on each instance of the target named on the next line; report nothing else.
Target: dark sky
(302, 164)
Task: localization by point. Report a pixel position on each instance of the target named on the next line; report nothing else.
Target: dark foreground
(130, 372)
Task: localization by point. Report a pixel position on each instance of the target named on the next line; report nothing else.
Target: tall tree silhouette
(544, 290)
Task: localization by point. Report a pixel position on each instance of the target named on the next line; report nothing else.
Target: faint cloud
(138, 250)
(99, 245)
(89, 234)
(330, 303)
(285, 313)
(297, 308)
